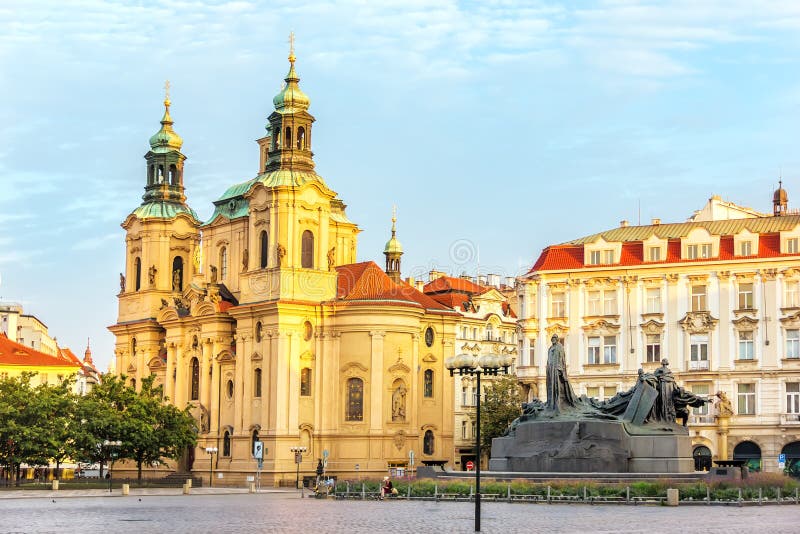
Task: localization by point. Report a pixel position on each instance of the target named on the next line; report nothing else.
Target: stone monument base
(593, 446)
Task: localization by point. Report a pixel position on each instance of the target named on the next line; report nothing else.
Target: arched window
(151, 171)
(177, 274)
(161, 174)
(223, 263)
(301, 138)
(194, 383)
(133, 347)
(702, 458)
(354, 411)
(792, 452)
(226, 444)
(307, 250)
(133, 383)
(257, 383)
(259, 331)
(137, 268)
(427, 386)
(264, 239)
(287, 141)
(173, 175)
(305, 382)
(427, 443)
(747, 450)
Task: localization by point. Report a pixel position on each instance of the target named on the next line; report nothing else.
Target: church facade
(263, 322)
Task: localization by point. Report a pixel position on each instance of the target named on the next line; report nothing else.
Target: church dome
(393, 246)
(780, 196)
(165, 139)
(291, 98)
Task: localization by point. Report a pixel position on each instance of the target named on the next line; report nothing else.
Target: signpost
(258, 454)
(411, 463)
(781, 461)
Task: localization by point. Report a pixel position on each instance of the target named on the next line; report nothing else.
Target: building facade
(718, 297)
(487, 325)
(261, 320)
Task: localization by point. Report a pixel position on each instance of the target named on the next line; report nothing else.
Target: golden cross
(166, 90)
(291, 46)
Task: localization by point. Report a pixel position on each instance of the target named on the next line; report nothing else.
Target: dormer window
(699, 251)
(746, 248)
(654, 254)
(793, 245)
(601, 257)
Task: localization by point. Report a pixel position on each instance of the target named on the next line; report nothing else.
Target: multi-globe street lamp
(111, 447)
(486, 364)
(298, 457)
(211, 451)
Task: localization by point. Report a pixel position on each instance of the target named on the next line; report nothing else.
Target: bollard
(759, 496)
(778, 495)
(508, 493)
(708, 496)
(363, 492)
(548, 494)
(126, 489)
(627, 494)
(796, 500)
(409, 491)
(251, 487)
(189, 482)
(740, 496)
(672, 497)
(436, 491)
(187, 489)
(55, 485)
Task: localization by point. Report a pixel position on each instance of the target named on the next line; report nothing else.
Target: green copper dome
(393, 246)
(291, 98)
(165, 139)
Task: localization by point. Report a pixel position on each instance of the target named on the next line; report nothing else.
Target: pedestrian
(387, 487)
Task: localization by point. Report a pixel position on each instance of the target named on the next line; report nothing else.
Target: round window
(429, 336)
(229, 388)
(308, 330)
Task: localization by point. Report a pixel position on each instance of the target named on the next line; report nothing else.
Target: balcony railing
(790, 418)
(698, 365)
(701, 419)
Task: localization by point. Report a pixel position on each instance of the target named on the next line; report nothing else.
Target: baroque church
(262, 321)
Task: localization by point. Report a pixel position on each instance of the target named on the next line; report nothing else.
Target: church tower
(162, 238)
(393, 250)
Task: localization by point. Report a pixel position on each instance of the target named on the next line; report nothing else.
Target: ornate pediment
(352, 367)
(601, 281)
(698, 278)
(558, 328)
(698, 322)
(256, 356)
(745, 323)
(399, 367)
(226, 356)
(601, 326)
(429, 358)
(131, 368)
(307, 356)
(792, 272)
(156, 363)
(168, 313)
(791, 321)
(652, 327)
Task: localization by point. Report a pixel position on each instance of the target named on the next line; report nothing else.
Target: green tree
(502, 403)
(57, 405)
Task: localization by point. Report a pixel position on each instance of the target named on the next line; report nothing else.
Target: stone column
(245, 396)
(376, 383)
(216, 376)
(180, 378)
(238, 386)
(722, 437)
(169, 382)
(205, 379)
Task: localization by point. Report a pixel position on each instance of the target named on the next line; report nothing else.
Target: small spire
(167, 101)
(291, 48)
(394, 220)
(87, 356)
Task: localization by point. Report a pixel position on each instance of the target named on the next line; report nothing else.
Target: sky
(496, 127)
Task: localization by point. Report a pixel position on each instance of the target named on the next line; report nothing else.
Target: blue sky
(496, 127)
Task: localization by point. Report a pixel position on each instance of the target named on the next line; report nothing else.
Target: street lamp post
(211, 451)
(111, 447)
(298, 457)
(487, 364)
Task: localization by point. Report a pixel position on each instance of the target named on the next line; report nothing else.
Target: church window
(264, 248)
(226, 444)
(288, 140)
(259, 331)
(355, 400)
(137, 267)
(301, 138)
(429, 336)
(223, 263)
(305, 382)
(177, 274)
(427, 389)
(161, 174)
(308, 330)
(133, 347)
(173, 175)
(427, 443)
(133, 381)
(307, 248)
(229, 389)
(194, 391)
(257, 382)
(151, 171)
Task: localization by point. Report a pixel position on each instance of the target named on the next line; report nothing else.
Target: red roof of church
(450, 283)
(12, 353)
(366, 282)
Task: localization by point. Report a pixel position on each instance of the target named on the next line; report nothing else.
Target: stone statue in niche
(245, 259)
(399, 403)
(151, 275)
(176, 280)
(281, 254)
(331, 258)
(121, 283)
(213, 274)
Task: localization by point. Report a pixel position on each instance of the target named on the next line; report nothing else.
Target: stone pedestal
(593, 446)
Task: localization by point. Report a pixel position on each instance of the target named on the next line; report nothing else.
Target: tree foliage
(50, 424)
(502, 403)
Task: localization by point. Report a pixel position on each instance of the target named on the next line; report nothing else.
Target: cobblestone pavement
(285, 512)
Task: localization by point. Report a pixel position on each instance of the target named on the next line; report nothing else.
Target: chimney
(493, 280)
(511, 281)
(481, 279)
(623, 223)
(420, 285)
(433, 275)
(656, 221)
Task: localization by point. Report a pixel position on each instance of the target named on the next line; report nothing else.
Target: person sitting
(387, 487)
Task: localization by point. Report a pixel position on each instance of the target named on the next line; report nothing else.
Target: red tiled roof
(12, 353)
(451, 300)
(570, 256)
(366, 282)
(450, 283)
